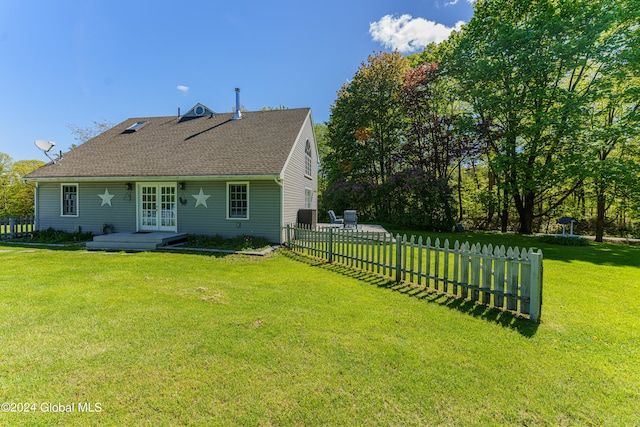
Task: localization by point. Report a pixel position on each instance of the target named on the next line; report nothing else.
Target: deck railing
(506, 278)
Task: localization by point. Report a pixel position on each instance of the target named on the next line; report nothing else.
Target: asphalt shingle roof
(257, 144)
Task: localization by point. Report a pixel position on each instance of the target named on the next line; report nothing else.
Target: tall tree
(436, 139)
(21, 200)
(6, 178)
(430, 145)
(321, 132)
(531, 67)
(17, 196)
(612, 122)
(366, 123)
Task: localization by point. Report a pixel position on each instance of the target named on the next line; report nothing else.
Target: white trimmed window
(237, 200)
(307, 159)
(69, 200)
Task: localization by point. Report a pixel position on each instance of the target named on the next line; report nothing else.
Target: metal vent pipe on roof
(238, 114)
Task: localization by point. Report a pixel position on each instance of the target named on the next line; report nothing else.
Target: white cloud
(406, 34)
(182, 88)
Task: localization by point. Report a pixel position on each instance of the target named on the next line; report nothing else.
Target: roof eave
(262, 177)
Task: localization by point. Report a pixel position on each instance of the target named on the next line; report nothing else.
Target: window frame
(308, 160)
(62, 200)
(228, 206)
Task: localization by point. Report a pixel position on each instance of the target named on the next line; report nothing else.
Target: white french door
(157, 207)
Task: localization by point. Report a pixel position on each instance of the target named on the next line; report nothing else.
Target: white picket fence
(500, 277)
(16, 227)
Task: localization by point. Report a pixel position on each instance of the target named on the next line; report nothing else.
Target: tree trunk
(600, 218)
(491, 207)
(526, 221)
(504, 218)
(525, 211)
(460, 210)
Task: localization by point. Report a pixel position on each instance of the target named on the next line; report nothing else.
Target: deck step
(122, 246)
(134, 241)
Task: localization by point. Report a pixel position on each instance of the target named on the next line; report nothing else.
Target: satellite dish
(45, 145)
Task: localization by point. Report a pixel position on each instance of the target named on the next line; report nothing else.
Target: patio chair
(335, 219)
(350, 219)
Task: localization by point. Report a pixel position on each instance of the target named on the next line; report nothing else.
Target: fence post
(12, 227)
(289, 236)
(399, 249)
(330, 246)
(535, 301)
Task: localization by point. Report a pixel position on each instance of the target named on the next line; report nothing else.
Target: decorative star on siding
(106, 197)
(201, 199)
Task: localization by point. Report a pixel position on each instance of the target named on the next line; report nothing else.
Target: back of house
(200, 173)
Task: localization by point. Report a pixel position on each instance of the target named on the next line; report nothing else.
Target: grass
(184, 339)
(239, 243)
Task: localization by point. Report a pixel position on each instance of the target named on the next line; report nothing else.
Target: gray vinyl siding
(264, 215)
(264, 209)
(91, 215)
(295, 180)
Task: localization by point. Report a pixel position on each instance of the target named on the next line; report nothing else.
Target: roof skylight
(134, 127)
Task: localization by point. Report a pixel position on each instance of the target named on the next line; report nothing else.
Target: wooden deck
(140, 241)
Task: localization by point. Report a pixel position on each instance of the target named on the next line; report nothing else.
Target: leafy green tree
(612, 123)
(321, 131)
(6, 178)
(615, 161)
(366, 131)
(17, 196)
(530, 68)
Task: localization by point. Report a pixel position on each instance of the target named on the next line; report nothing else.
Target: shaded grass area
(184, 339)
(239, 243)
(595, 253)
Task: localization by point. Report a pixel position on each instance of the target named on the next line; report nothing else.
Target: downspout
(278, 180)
(36, 208)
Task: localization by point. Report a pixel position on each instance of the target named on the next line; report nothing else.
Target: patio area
(369, 228)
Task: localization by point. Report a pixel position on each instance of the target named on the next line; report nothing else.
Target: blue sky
(72, 62)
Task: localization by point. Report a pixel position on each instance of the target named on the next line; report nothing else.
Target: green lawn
(186, 339)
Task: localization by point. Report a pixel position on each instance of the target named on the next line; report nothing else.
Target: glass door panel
(157, 207)
(149, 208)
(167, 208)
